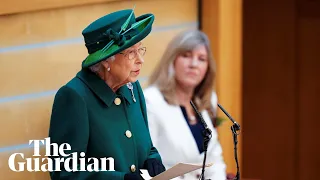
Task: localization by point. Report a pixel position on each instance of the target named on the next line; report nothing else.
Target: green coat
(85, 115)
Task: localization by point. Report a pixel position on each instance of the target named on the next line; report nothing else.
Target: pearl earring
(108, 69)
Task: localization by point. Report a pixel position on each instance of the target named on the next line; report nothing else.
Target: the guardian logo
(48, 163)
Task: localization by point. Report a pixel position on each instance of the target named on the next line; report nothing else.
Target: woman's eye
(186, 54)
(131, 52)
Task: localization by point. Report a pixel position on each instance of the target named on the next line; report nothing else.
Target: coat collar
(101, 89)
(174, 122)
(126, 93)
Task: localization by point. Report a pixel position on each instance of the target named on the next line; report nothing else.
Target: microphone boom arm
(207, 134)
(234, 128)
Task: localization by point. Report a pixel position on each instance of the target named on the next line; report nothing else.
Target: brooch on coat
(130, 87)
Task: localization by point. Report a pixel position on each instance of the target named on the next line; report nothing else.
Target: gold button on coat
(128, 134)
(117, 101)
(133, 168)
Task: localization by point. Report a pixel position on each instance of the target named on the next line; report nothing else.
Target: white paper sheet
(175, 171)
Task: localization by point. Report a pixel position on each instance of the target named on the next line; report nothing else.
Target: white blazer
(172, 137)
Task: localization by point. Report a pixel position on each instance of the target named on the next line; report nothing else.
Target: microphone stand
(234, 128)
(207, 134)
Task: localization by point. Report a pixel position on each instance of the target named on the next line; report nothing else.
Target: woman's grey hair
(97, 67)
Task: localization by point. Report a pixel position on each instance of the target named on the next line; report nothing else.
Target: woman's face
(127, 64)
(191, 67)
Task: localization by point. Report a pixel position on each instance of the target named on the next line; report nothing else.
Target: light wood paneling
(27, 119)
(229, 74)
(19, 6)
(59, 24)
(24, 120)
(7, 174)
(222, 23)
(210, 24)
(48, 68)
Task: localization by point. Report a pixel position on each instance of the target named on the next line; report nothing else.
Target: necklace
(192, 120)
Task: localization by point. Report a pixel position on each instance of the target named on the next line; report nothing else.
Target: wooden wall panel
(8, 174)
(308, 101)
(24, 120)
(210, 24)
(20, 6)
(229, 75)
(62, 24)
(308, 8)
(36, 112)
(269, 90)
(59, 63)
(40, 69)
(222, 23)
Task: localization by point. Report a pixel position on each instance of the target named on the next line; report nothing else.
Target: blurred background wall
(267, 55)
(268, 63)
(221, 20)
(281, 86)
(268, 78)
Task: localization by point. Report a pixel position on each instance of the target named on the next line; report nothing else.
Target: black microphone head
(237, 126)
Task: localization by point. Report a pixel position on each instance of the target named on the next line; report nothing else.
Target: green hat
(114, 33)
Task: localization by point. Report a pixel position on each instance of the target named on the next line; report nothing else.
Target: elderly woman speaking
(101, 112)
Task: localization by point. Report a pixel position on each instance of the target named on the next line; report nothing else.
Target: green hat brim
(143, 30)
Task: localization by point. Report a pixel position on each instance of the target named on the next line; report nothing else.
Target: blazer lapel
(182, 134)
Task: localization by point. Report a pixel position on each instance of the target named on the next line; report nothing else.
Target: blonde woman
(186, 72)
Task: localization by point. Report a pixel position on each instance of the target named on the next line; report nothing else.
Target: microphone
(207, 134)
(236, 125)
(201, 119)
(234, 128)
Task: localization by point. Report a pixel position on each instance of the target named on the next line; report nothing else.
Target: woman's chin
(133, 79)
(190, 83)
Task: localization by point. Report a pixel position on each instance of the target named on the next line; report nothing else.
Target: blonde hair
(163, 75)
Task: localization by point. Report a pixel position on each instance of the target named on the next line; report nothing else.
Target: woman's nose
(194, 62)
(140, 58)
